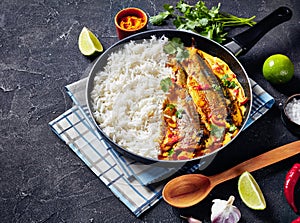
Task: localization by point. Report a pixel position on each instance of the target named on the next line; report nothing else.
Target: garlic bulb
(224, 212)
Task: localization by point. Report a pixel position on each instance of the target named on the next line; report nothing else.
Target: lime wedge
(88, 43)
(250, 192)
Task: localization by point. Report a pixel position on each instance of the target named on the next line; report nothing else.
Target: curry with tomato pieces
(204, 107)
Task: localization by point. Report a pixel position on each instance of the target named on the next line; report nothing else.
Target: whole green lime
(278, 69)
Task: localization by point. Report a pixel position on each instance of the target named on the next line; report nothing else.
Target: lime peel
(88, 43)
(250, 192)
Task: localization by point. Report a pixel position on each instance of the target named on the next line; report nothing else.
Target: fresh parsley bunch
(198, 18)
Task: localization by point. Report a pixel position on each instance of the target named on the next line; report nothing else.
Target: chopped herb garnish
(169, 48)
(179, 113)
(227, 83)
(165, 84)
(216, 131)
(198, 18)
(175, 46)
(216, 87)
(171, 152)
(171, 106)
(181, 54)
(232, 128)
(231, 84)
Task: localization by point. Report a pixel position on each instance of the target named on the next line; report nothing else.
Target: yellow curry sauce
(204, 106)
(132, 22)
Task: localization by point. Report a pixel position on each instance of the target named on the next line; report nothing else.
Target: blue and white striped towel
(129, 180)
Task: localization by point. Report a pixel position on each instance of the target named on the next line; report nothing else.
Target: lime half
(250, 192)
(88, 43)
(278, 69)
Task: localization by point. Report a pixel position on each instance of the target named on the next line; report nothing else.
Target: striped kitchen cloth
(130, 181)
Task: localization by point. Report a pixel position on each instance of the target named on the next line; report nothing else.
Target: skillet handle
(246, 40)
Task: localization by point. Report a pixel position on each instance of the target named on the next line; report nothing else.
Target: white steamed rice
(127, 97)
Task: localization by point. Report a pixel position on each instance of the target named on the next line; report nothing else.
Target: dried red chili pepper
(296, 220)
(291, 180)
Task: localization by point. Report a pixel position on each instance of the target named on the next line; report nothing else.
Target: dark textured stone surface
(41, 180)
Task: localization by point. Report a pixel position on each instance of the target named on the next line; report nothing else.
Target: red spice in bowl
(129, 21)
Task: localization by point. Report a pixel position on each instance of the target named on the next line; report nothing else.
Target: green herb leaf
(217, 131)
(232, 128)
(171, 152)
(159, 18)
(214, 11)
(169, 8)
(177, 41)
(171, 106)
(231, 84)
(216, 87)
(169, 48)
(179, 113)
(176, 46)
(227, 83)
(182, 54)
(183, 7)
(165, 84)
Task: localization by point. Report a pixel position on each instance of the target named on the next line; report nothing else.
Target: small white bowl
(289, 123)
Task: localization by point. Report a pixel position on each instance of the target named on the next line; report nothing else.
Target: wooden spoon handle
(259, 162)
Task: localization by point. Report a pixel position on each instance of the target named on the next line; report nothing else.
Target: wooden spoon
(190, 189)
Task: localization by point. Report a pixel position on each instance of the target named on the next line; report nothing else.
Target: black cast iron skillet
(239, 44)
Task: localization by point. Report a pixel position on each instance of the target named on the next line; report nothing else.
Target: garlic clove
(191, 219)
(224, 212)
